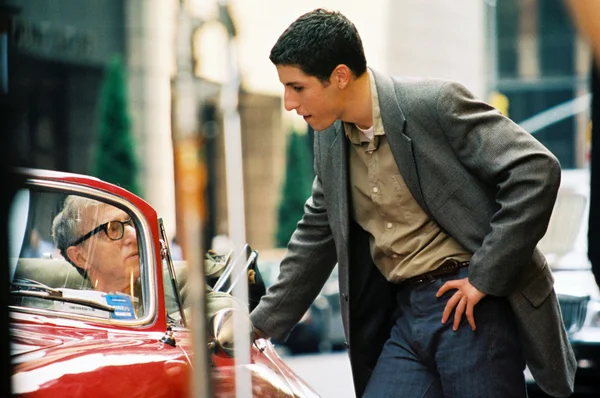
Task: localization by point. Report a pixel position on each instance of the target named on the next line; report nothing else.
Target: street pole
(493, 50)
(235, 199)
(190, 191)
(594, 217)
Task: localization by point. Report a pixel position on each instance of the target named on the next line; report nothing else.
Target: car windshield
(73, 254)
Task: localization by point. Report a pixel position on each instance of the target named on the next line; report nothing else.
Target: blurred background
(81, 76)
(153, 94)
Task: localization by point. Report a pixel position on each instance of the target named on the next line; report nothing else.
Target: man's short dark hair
(317, 42)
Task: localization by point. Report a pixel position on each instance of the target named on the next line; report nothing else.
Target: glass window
(74, 254)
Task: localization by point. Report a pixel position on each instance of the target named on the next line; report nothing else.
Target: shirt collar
(352, 132)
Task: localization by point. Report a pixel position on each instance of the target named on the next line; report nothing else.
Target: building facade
(542, 63)
(177, 55)
(58, 52)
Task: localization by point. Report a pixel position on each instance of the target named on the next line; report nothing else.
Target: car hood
(52, 359)
(35, 346)
(28, 339)
(25, 341)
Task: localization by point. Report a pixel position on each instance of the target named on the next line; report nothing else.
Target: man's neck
(359, 109)
(100, 285)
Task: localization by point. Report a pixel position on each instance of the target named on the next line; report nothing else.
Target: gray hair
(66, 226)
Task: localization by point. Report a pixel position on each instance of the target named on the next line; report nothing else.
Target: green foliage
(115, 158)
(296, 187)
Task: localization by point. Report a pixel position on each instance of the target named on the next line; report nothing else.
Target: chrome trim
(164, 240)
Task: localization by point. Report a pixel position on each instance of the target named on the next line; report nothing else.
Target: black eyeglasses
(113, 229)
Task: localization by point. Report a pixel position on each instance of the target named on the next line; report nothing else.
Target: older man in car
(100, 241)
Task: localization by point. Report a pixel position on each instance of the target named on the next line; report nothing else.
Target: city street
(329, 373)
(171, 167)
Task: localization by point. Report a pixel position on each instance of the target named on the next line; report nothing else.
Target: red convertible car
(98, 307)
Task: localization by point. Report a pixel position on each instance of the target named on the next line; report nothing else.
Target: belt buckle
(423, 278)
(451, 263)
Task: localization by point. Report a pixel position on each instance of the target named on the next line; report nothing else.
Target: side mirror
(221, 334)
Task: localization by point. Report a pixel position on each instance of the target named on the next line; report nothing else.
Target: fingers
(457, 303)
(447, 286)
(450, 305)
(462, 302)
(458, 313)
(470, 316)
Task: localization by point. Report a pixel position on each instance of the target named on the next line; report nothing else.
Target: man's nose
(289, 103)
(130, 234)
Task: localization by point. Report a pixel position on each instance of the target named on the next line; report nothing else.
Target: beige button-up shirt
(404, 241)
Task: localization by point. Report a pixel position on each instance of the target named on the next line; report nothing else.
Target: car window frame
(148, 273)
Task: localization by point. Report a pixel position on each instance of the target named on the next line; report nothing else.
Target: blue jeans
(423, 358)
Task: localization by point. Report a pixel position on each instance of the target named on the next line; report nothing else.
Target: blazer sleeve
(308, 262)
(524, 174)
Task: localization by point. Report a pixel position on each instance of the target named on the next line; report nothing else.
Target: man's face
(113, 263)
(319, 104)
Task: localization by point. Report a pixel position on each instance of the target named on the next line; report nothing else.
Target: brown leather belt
(448, 267)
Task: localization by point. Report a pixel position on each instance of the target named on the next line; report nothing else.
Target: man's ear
(75, 255)
(341, 76)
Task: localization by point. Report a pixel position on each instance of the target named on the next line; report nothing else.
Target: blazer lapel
(334, 150)
(394, 124)
(339, 161)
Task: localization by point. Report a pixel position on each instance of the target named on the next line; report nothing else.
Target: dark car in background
(565, 246)
(311, 333)
(335, 339)
(321, 328)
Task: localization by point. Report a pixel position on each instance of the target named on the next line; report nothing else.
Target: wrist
(259, 334)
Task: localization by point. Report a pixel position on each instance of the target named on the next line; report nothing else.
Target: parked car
(565, 246)
(311, 333)
(69, 338)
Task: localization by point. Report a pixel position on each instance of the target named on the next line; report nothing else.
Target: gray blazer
(482, 178)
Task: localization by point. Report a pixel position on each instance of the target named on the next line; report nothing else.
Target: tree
(296, 187)
(115, 159)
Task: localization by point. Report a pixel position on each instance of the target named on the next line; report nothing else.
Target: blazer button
(345, 296)
(346, 344)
